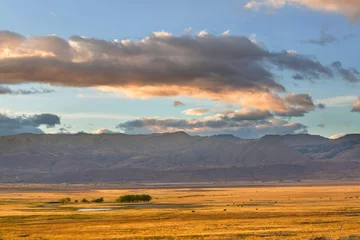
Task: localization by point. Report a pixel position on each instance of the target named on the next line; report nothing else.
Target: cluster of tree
(84, 200)
(98, 200)
(134, 198)
(65, 200)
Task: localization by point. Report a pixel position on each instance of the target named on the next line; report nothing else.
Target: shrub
(84, 200)
(76, 201)
(65, 200)
(134, 198)
(98, 200)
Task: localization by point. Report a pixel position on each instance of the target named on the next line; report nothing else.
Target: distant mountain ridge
(175, 157)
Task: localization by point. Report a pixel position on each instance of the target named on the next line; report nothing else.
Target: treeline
(134, 198)
(121, 199)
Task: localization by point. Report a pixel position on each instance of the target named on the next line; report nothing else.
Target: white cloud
(104, 131)
(349, 8)
(337, 101)
(336, 136)
(195, 111)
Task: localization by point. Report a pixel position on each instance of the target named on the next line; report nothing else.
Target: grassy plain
(251, 212)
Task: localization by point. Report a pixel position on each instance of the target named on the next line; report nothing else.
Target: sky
(244, 67)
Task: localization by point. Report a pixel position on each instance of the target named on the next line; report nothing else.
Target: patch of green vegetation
(98, 200)
(65, 200)
(134, 198)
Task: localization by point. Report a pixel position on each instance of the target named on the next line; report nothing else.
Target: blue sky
(276, 29)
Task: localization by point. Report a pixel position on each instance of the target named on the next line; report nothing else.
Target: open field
(251, 212)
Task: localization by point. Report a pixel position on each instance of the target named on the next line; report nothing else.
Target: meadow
(181, 212)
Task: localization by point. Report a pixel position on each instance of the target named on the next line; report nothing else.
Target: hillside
(175, 157)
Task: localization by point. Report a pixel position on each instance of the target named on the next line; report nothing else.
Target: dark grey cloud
(321, 106)
(303, 100)
(298, 76)
(300, 104)
(350, 75)
(178, 103)
(219, 67)
(229, 119)
(321, 125)
(8, 91)
(325, 39)
(10, 125)
(302, 65)
(251, 125)
(63, 131)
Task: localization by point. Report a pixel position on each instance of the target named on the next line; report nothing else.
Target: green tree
(134, 198)
(65, 200)
(98, 200)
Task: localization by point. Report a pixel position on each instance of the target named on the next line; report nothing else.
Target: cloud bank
(349, 8)
(10, 125)
(243, 123)
(228, 68)
(8, 91)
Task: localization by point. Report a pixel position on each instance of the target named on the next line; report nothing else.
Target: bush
(84, 200)
(98, 200)
(65, 200)
(76, 201)
(134, 198)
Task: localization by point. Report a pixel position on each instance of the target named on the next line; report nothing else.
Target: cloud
(178, 103)
(104, 131)
(324, 39)
(321, 106)
(232, 69)
(8, 91)
(356, 106)
(10, 125)
(215, 125)
(298, 76)
(336, 136)
(63, 131)
(195, 111)
(351, 75)
(246, 123)
(338, 101)
(349, 8)
(321, 125)
(300, 104)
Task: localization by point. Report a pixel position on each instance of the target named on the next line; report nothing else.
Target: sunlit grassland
(284, 212)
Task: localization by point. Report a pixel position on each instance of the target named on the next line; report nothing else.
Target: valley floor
(286, 211)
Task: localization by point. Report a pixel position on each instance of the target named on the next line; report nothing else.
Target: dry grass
(288, 212)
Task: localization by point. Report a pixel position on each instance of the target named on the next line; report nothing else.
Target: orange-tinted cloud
(356, 106)
(227, 68)
(349, 8)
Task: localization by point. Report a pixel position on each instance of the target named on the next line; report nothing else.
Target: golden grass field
(252, 212)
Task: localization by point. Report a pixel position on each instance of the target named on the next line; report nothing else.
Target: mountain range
(175, 157)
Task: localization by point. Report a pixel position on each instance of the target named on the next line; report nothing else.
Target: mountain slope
(29, 157)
